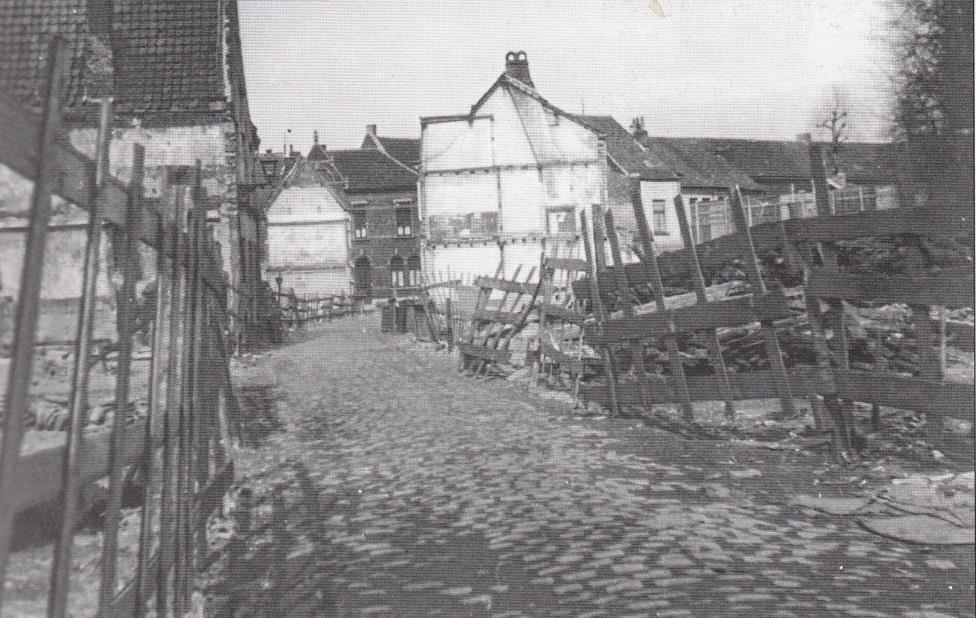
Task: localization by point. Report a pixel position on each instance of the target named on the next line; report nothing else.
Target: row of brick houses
(175, 74)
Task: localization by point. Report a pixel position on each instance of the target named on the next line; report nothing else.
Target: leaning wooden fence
(831, 385)
(180, 445)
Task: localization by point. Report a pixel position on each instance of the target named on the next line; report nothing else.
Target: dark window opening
(413, 270)
(398, 273)
(659, 208)
(359, 224)
(404, 221)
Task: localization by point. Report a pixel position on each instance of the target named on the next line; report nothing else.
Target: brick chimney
(637, 128)
(517, 66)
(371, 130)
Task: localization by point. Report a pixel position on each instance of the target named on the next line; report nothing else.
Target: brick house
(175, 73)
(381, 193)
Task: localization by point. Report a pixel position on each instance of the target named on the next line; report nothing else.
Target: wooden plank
(945, 398)
(498, 316)
(43, 170)
(735, 311)
(512, 287)
(609, 362)
(942, 221)
(753, 271)
(566, 362)
(955, 290)
(473, 350)
(124, 603)
(563, 313)
(750, 385)
(568, 264)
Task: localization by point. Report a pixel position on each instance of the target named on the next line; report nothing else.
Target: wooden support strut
(627, 299)
(698, 281)
(609, 363)
(754, 274)
(657, 284)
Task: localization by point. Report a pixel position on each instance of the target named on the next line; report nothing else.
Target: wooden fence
(180, 444)
(810, 248)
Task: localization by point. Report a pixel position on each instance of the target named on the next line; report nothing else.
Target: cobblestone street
(396, 486)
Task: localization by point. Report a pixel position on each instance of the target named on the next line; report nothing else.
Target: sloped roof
(768, 159)
(403, 149)
(625, 152)
(694, 163)
(167, 56)
(371, 170)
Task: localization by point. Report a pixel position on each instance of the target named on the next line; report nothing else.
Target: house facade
(507, 180)
(381, 197)
(308, 233)
(177, 82)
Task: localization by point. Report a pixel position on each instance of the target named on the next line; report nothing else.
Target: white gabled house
(507, 180)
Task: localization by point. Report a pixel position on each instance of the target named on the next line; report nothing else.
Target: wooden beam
(568, 264)
(750, 385)
(950, 290)
(473, 350)
(735, 311)
(945, 398)
(564, 314)
(512, 287)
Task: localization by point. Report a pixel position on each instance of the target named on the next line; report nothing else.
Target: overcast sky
(724, 68)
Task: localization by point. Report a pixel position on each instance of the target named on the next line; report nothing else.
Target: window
(397, 273)
(561, 221)
(659, 208)
(413, 270)
(359, 224)
(404, 221)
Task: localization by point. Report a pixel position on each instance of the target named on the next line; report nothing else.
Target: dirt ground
(388, 484)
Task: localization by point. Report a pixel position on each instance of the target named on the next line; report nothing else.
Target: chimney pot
(517, 66)
(371, 129)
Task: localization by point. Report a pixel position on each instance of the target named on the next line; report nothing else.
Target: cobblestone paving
(404, 489)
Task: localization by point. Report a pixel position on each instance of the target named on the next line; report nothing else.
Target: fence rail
(181, 443)
(830, 384)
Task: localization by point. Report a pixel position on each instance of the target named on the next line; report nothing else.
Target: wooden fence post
(28, 301)
(71, 486)
(125, 305)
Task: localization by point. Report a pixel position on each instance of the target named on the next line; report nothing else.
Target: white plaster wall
(165, 146)
(317, 282)
(308, 204)
(522, 202)
(456, 145)
(307, 244)
(477, 260)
